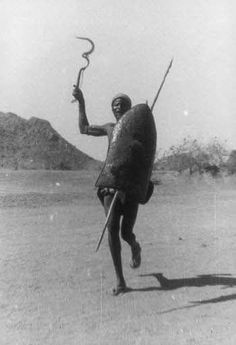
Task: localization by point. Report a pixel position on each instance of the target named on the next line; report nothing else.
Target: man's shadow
(224, 280)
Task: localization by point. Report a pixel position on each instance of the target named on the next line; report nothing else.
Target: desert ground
(55, 289)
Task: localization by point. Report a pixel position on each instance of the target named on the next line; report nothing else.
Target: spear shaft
(163, 81)
(108, 217)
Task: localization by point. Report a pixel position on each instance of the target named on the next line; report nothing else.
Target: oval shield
(131, 154)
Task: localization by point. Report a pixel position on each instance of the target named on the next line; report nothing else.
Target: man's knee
(113, 225)
(114, 238)
(128, 235)
(125, 237)
(127, 229)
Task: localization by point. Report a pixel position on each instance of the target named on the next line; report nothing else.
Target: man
(125, 210)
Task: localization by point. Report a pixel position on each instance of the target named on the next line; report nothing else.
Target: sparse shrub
(216, 151)
(231, 163)
(212, 169)
(194, 156)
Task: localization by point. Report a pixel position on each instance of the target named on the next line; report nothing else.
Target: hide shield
(131, 153)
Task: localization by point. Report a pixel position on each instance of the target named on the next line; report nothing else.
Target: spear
(108, 217)
(163, 81)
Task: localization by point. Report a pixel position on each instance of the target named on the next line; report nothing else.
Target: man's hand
(78, 95)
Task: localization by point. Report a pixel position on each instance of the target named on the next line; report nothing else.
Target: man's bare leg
(114, 244)
(127, 225)
(115, 249)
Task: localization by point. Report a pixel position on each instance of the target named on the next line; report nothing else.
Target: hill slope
(34, 144)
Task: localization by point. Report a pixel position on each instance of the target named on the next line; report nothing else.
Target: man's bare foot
(135, 261)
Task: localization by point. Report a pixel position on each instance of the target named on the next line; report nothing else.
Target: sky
(134, 43)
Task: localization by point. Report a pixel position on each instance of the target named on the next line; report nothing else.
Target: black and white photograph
(117, 172)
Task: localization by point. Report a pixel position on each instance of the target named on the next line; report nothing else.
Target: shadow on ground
(224, 280)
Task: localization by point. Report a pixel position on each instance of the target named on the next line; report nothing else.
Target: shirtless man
(125, 210)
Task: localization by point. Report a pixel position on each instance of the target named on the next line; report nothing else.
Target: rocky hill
(34, 144)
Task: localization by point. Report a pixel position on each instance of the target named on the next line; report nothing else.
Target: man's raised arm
(83, 123)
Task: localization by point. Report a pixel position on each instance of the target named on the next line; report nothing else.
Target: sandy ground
(54, 288)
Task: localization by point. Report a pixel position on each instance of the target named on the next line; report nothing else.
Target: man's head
(120, 104)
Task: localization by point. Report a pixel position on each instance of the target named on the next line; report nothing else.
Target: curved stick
(85, 55)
